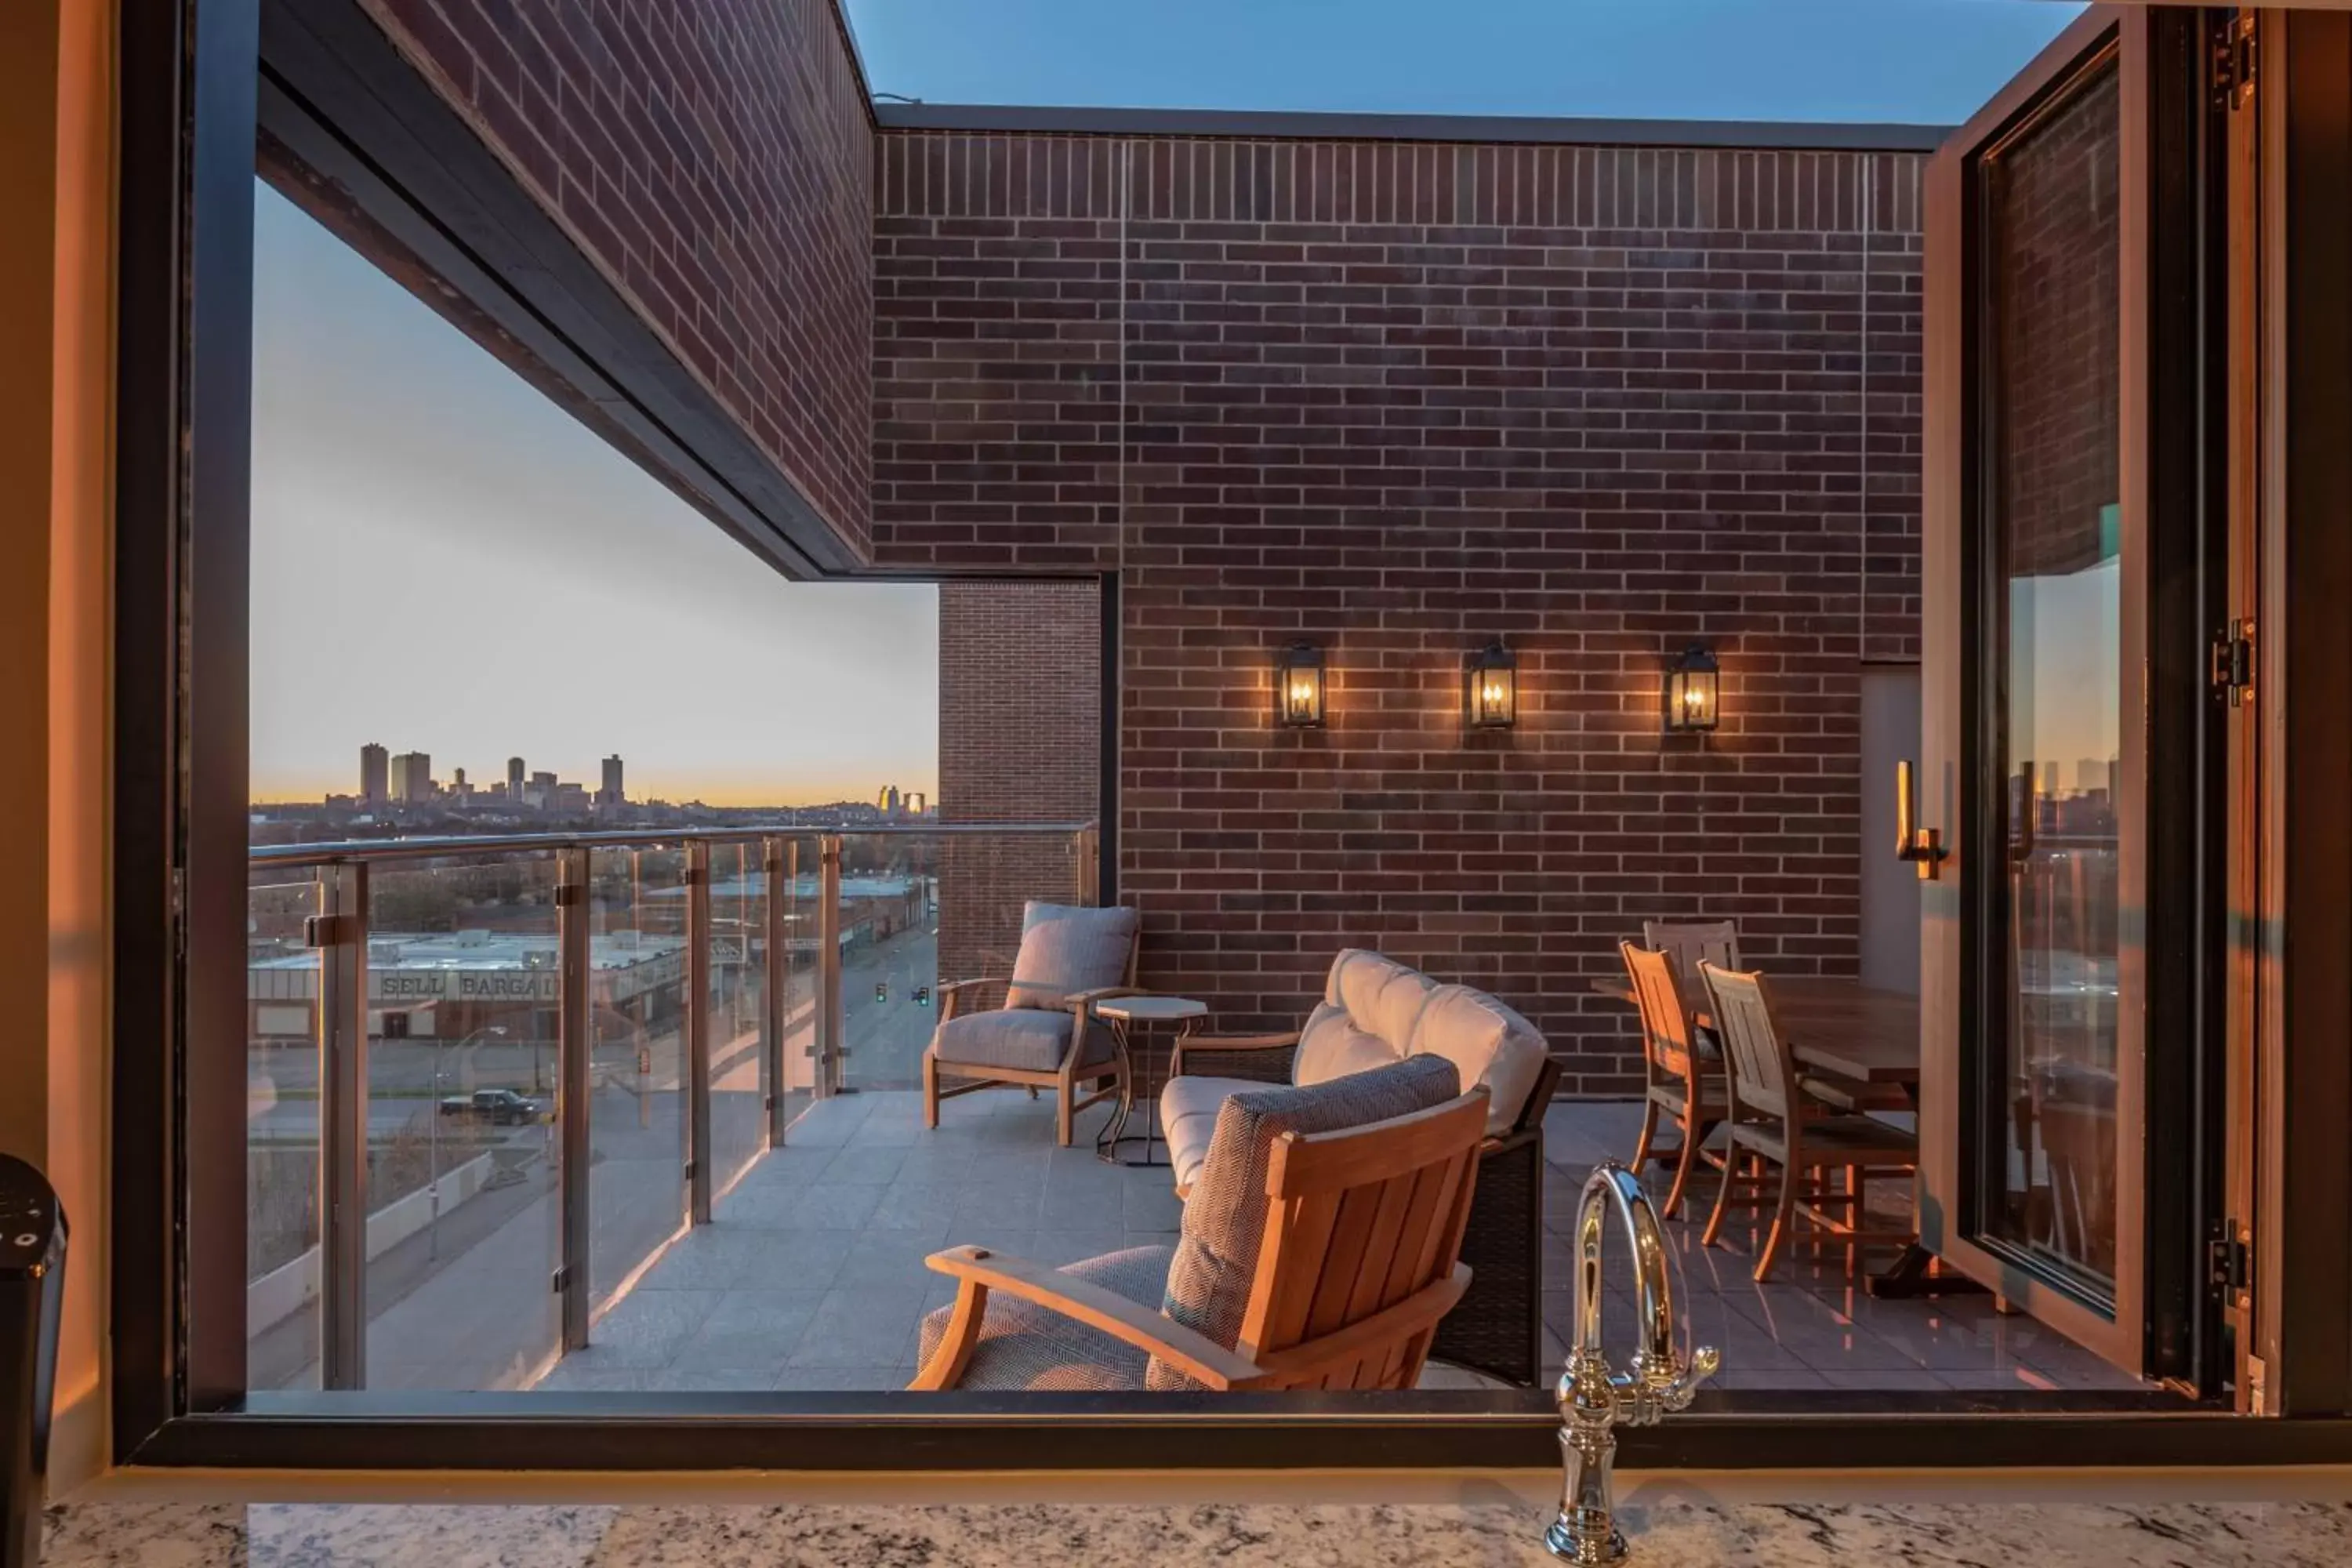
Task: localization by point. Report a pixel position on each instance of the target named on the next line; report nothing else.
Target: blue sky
(1924, 61)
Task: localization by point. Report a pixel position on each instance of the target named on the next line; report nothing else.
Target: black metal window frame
(199, 81)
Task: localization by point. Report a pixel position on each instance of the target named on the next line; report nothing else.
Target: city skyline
(444, 561)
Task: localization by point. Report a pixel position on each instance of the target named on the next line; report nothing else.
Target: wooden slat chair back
(1763, 1073)
(1362, 1240)
(1669, 1038)
(1692, 944)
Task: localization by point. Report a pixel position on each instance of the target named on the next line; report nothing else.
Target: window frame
(201, 80)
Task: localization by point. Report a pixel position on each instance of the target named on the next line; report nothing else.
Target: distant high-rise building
(611, 795)
(888, 801)
(374, 773)
(412, 776)
(916, 803)
(514, 778)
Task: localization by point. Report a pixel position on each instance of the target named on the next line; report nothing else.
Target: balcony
(637, 1112)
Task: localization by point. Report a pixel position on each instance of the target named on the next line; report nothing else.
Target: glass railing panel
(637, 1062)
(803, 944)
(739, 948)
(283, 1282)
(921, 911)
(465, 1232)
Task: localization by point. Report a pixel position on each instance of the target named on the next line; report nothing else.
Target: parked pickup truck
(498, 1107)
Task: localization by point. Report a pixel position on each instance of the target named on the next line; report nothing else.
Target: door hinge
(2233, 663)
(2234, 62)
(2228, 1260)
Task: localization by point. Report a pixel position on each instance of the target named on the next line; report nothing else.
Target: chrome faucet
(1593, 1399)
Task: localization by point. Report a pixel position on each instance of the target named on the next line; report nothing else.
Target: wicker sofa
(1376, 1011)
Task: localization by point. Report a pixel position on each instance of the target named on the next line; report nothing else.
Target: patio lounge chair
(1376, 1011)
(1320, 1250)
(1044, 1035)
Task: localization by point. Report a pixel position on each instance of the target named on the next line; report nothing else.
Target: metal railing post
(1088, 850)
(574, 1033)
(829, 1047)
(776, 856)
(700, 1166)
(339, 933)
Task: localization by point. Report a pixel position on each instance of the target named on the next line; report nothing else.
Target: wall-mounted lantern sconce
(1491, 687)
(1299, 687)
(1693, 692)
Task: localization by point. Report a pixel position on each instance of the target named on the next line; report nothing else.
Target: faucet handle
(1683, 1387)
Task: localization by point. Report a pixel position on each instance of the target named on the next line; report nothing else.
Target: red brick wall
(713, 159)
(1400, 399)
(1020, 741)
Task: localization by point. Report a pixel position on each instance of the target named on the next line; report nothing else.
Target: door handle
(1923, 847)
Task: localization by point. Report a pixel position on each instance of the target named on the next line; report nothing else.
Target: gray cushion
(1029, 1039)
(1188, 1113)
(1022, 1345)
(1224, 1218)
(1066, 948)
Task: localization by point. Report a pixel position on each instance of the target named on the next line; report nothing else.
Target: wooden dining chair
(1682, 1085)
(1774, 1123)
(1691, 943)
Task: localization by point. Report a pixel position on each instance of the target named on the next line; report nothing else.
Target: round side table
(1131, 1019)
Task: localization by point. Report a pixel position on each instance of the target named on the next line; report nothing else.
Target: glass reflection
(2056, 689)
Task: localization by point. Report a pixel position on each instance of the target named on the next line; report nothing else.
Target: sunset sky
(444, 562)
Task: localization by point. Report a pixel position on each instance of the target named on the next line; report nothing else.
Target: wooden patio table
(1860, 1033)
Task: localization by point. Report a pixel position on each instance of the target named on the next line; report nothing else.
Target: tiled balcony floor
(812, 1277)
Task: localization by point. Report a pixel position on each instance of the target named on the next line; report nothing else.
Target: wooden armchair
(1498, 1327)
(1043, 1033)
(1358, 1264)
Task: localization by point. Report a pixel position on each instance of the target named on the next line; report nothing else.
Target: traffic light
(922, 995)
(881, 991)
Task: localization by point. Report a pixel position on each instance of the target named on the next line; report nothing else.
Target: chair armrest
(1101, 994)
(1283, 1041)
(980, 1270)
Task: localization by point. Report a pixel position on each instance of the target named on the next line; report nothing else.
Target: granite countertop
(1673, 1527)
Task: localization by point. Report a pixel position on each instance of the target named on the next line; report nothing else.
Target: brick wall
(713, 161)
(1400, 399)
(1020, 741)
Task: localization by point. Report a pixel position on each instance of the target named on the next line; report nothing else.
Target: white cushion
(1331, 1045)
(1188, 1116)
(1487, 1043)
(1383, 997)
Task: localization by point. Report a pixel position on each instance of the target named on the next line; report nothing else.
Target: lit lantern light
(1299, 687)
(1491, 688)
(1694, 701)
